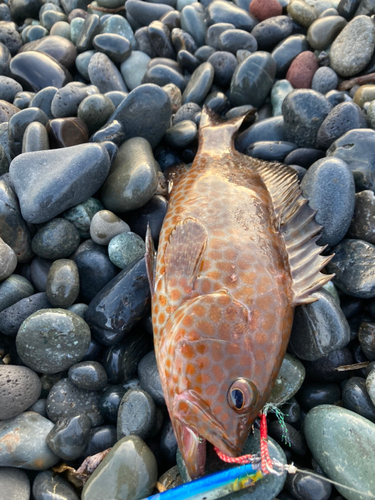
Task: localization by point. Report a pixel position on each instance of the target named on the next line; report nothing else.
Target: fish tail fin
(219, 133)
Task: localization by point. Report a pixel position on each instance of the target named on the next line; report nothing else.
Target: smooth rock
(301, 12)
(133, 177)
(116, 47)
(303, 485)
(353, 48)
(151, 214)
(272, 128)
(270, 32)
(105, 225)
(270, 150)
(329, 187)
(37, 70)
(352, 265)
(62, 283)
(324, 30)
(181, 134)
(319, 328)
(110, 401)
(104, 74)
(146, 112)
(13, 289)
(263, 10)
(286, 51)
(39, 269)
(109, 321)
(88, 375)
(149, 378)
(134, 68)
(136, 414)
(20, 387)
(129, 471)
(67, 132)
(362, 226)
(90, 28)
(8, 260)
(370, 385)
(15, 484)
(8, 88)
(35, 138)
(23, 442)
(95, 111)
(315, 394)
(55, 240)
(289, 380)
(304, 157)
(280, 90)
(66, 101)
(199, 84)
(18, 124)
(13, 316)
(101, 438)
(58, 47)
(324, 369)
(48, 486)
(356, 398)
(221, 11)
(324, 80)
(348, 461)
(69, 437)
(52, 340)
(65, 400)
(302, 70)
(126, 248)
(81, 215)
(81, 170)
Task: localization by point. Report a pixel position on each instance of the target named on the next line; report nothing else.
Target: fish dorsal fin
(298, 228)
(150, 259)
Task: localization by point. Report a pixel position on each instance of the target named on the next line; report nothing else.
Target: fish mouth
(195, 424)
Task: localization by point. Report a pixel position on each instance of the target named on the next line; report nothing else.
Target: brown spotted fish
(237, 253)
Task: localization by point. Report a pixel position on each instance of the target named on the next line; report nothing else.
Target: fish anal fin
(150, 259)
(183, 254)
(298, 228)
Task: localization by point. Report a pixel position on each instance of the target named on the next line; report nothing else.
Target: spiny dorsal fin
(298, 228)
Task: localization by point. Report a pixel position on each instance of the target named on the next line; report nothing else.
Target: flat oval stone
(352, 50)
(324, 80)
(48, 485)
(20, 387)
(146, 113)
(126, 248)
(145, 14)
(105, 225)
(62, 283)
(66, 101)
(315, 394)
(39, 269)
(108, 304)
(270, 32)
(18, 124)
(220, 11)
(90, 28)
(116, 47)
(23, 442)
(362, 226)
(13, 316)
(100, 439)
(149, 378)
(301, 72)
(352, 265)
(65, 400)
(273, 128)
(43, 100)
(58, 47)
(151, 214)
(52, 340)
(199, 84)
(194, 21)
(329, 187)
(81, 215)
(110, 402)
(319, 328)
(37, 70)
(356, 398)
(301, 12)
(88, 375)
(304, 485)
(304, 111)
(67, 132)
(15, 485)
(270, 150)
(286, 51)
(342, 442)
(356, 149)
(69, 437)
(255, 72)
(162, 75)
(8, 260)
(56, 240)
(134, 68)
(289, 380)
(136, 414)
(95, 111)
(13, 289)
(37, 189)
(35, 138)
(324, 369)
(104, 74)
(133, 177)
(324, 30)
(130, 466)
(120, 26)
(9, 88)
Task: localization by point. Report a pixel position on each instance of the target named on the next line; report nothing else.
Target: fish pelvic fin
(299, 230)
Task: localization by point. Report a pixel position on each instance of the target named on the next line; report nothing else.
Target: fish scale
(236, 254)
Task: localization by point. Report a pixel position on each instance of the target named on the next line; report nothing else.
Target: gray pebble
(150, 379)
(49, 486)
(136, 414)
(69, 437)
(8, 88)
(105, 225)
(62, 283)
(15, 485)
(20, 387)
(88, 375)
(56, 240)
(126, 248)
(13, 289)
(8, 260)
(324, 80)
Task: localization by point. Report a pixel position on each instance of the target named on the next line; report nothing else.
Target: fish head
(210, 379)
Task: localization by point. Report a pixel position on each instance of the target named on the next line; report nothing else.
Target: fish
(237, 253)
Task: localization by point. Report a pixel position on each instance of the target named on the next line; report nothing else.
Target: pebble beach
(98, 103)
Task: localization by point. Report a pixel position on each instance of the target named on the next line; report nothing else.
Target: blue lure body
(214, 485)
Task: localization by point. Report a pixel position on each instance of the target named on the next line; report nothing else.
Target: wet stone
(39, 269)
(133, 177)
(105, 225)
(145, 14)
(352, 49)
(62, 283)
(302, 485)
(109, 304)
(256, 72)
(302, 70)
(352, 265)
(134, 68)
(324, 30)
(15, 484)
(149, 378)
(35, 138)
(66, 101)
(220, 11)
(67, 132)
(294, 442)
(104, 74)
(20, 387)
(58, 47)
(10, 37)
(118, 25)
(36, 188)
(65, 400)
(37, 70)
(366, 337)
(324, 369)
(81, 215)
(270, 32)
(48, 485)
(330, 189)
(315, 394)
(90, 28)
(13, 289)
(362, 226)
(270, 150)
(110, 401)
(181, 134)
(95, 111)
(280, 90)
(356, 398)
(100, 438)
(12, 317)
(43, 100)
(22, 99)
(199, 84)
(130, 464)
(125, 248)
(56, 240)
(304, 111)
(28, 433)
(88, 375)
(286, 51)
(324, 80)
(116, 47)
(301, 12)
(52, 340)
(8, 260)
(136, 414)
(289, 380)
(8, 88)
(151, 214)
(370, 385)
(69, 437)
(18, 124)
(272, 128)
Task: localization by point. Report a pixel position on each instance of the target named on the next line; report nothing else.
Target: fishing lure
(237, 252)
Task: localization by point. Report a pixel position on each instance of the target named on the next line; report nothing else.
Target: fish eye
(242, 395)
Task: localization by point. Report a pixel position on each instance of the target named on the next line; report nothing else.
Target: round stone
(13, 289)
(95, 111)
(126, 248)
(8, 260)
(324, 30)
(80, 215)
(56, 239)
(362, 226)
(136, 414)
(88, 375)
(150, 379)
(52, 340)
(301, 72)
(105, 225)
(62, 283)
(48, 485)
(69, 437)
(356, 398)
(20, 387)
(289, 380)
(15, 485)
(324, 80)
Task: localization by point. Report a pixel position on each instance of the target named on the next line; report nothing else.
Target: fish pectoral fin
(150, 259)
(297, 225)
(184, 252)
